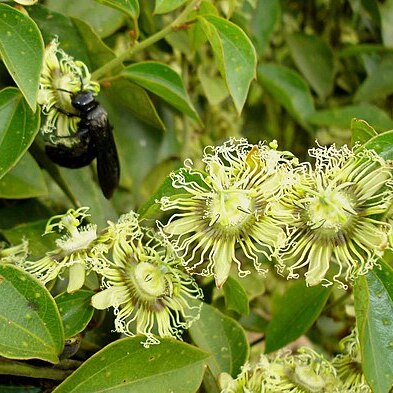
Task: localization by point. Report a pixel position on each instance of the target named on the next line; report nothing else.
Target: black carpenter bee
(94, 139)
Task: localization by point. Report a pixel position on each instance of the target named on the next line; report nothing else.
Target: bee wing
(108, 167)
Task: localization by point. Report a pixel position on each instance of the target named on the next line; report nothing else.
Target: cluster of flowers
(304, 371)
(248, 204)
(141, 278)
(252, 202)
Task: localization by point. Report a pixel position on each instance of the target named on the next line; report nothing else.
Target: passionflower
(72, 252)
(142, 281)
(335, 215)
(61, 77)
(303, 372)
(349, 366)
(229, 205)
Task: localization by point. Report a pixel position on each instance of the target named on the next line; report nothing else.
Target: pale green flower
(61, 76)
(142, 281)
(284, 372)
(335, 215)
(349, 365)
(231, 205)
(72, 252)
(14, 254)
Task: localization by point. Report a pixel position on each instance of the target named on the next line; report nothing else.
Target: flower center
(150, 281)
(231, 208)
(330, 212)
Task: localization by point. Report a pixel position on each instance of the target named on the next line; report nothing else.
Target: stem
(10, 367)
(97, 74)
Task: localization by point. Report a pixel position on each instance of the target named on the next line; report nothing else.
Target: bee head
(83, 101)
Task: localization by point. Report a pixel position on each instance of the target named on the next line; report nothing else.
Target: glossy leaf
(126, 366)
(235, 296)
(374, 317)
(75, 310)
(18, 127)
(20, 41)
(234, 54)
(126, 94)
(129, 7)
(342, 116)
(104, 20)
(382, 144)
(75, 36)
(361, 131)
(314, 58)
(24, 181)
(293, 314)
(162, 81)
(223, 337)
(30, 325)
(288, 88)
(165, 6)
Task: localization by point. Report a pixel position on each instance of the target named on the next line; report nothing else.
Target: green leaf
(213, 86)
(32, 231)
(223, 337)
(265, 18)
(374, 317)
(378, 84)
(165, 6)
(89, 194)
(75, 36)
(235, 296)
(289, 89)
(75, 310)
(382, 144)
(129, 7)
(24, 181)
(18, 127)
(30, 325)
(133, 98)
(314, 58)
(105, 21)
(234, 54)
(293, 314)
(126, 366)
(361, 131)
(162, 81)
(22, 50)
(12, 215)
(342, 116)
